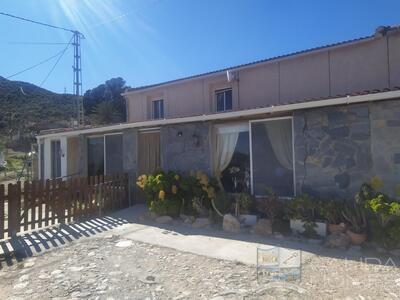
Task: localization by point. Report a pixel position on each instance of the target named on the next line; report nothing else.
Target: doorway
(149, 158)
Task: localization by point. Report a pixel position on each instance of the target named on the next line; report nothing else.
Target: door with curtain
(148, 157)
(272, 157)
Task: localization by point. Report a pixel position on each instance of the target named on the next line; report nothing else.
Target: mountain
(25, 109)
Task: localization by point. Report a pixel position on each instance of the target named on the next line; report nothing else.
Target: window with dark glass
(113, 154)
(96, 156)
(224, 100)
(41, 150)
(272, 157)
(158, 109)
(55, 159)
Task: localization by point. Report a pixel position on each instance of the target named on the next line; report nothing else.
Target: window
(232, 157)
(224, 100)
(55, 159)
(114, 154)
(105, 155)
(96, 156)
(41, 151)
(272, 157)
(158, 109)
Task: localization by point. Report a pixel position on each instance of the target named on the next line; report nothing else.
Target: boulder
(248, 220)
(263, 227)
(187, 219)
(201, 222)
(164, 220)
(231, 224)
(337, 240)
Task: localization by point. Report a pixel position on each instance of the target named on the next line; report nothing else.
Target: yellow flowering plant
(171, 193)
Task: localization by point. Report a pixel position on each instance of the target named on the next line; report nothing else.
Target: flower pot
(356, 238)
(336, 228)
(297, 226)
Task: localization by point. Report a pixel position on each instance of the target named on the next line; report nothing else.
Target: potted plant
(332, 210)
(384, 221)
(305, 216)
(355, 216)
(269, 205)
(244, 203)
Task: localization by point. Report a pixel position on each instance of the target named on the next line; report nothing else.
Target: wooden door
(148, 157)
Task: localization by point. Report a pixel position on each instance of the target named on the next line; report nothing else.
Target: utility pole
(77, 69)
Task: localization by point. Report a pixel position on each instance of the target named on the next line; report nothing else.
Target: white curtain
(225, 147)
(280, 136)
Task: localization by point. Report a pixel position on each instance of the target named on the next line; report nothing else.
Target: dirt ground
(109, 267)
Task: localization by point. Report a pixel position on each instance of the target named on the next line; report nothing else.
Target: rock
(29, 264)
(163, 220)
(231, 224)
(21, 285)
(23, 278)
(75, 269)
(201, 222)
(149, 279)
(337, 240)
(187, 219)
(248, 220)
(124, 244)
(56, 272)
(263, 227)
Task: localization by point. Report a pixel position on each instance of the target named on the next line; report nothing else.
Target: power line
(37, 43)
(36, 65)
(54, 66)
(35, 22)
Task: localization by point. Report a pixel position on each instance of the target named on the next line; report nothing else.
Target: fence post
(14, 208)
(99, 198)
(2, 215)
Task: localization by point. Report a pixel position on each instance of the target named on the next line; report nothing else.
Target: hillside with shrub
(26, 109)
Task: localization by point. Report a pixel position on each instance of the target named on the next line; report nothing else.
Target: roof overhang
(233, 114)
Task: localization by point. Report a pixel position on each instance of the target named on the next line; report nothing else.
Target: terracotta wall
(366, 65)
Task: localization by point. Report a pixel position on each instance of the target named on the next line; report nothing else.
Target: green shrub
(331, 210)
(303, 207)
(245, 202)
(171, 193)
(384, 220)
(270, 205)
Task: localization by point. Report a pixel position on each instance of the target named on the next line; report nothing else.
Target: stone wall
(186, 147)
(332, 150)
(385, 145)
(338, 148)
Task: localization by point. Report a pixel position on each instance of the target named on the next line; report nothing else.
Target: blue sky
(150, 41)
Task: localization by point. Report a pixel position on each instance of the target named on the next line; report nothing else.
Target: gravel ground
(111, 268)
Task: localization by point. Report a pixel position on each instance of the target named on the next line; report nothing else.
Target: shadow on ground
(24, 245)
(366, 255)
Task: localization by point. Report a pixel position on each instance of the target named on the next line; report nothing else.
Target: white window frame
(251, 153)
(216, 99)
(159, 107)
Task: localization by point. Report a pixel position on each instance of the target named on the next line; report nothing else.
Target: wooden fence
(38, 204)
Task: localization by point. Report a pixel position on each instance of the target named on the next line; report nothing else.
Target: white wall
(47, 156)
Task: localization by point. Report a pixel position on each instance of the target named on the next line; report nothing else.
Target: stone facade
(186, 147)
(385, 145)
(338, 148)
(332, 150)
